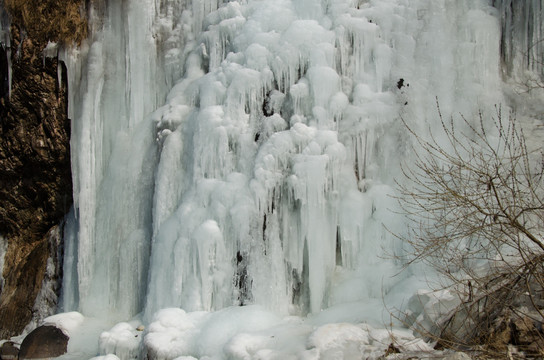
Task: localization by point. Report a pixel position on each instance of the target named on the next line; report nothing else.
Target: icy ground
(249, 332)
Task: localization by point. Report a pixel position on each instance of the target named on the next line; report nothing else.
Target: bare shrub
(475, 201)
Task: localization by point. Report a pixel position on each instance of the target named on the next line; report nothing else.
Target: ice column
(522, 31)
(116, 80)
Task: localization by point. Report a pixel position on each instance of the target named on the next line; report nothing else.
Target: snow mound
(174, 333)
(338, 341)
(68, 322)
(123, 340)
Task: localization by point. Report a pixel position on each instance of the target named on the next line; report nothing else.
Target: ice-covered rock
(427, 310)
(338, 341)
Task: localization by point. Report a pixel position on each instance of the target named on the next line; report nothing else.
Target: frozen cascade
(284, 139)
(244, 152)
(118, 77)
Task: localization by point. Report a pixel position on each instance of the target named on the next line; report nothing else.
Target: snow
(252, 332)
(175, 333)
(332, 336)
(67, 322)
(83, 333)
(105, 357)
(122, 340)
(51, 49)
(246, 153)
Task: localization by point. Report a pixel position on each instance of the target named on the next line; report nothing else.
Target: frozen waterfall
(246, 152)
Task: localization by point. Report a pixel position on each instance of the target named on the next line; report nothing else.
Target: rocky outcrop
(35, 175)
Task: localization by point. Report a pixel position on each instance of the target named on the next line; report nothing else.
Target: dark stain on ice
(242, 280)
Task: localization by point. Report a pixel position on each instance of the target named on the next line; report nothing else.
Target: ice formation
(521, 36)
(3, 249)
(245, 152)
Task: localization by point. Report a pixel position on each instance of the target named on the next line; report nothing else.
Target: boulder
(44, 342)
(8, 351)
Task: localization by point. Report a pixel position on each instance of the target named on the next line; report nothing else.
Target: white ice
(246, 153)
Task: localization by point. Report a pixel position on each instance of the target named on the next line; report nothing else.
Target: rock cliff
(35, 175)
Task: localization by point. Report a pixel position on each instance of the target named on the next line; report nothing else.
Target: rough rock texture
(44, 342)
(35, 176)
(50, 20)
(9, 351)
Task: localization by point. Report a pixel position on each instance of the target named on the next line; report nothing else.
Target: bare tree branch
(475, 199)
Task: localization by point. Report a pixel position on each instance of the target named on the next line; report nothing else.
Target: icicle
(3, 249)
(522, 32)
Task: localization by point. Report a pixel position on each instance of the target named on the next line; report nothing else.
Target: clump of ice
(51, 50)
(245, 333)
(174, 332)
(427, 310)
(123, 340)
(342, 341)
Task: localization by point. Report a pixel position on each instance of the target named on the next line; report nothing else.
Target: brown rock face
(35, 176)
(50, 20)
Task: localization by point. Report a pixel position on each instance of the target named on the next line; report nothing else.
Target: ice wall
(286, 132)
(522, 34)
(265, 174)
(116, 79)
